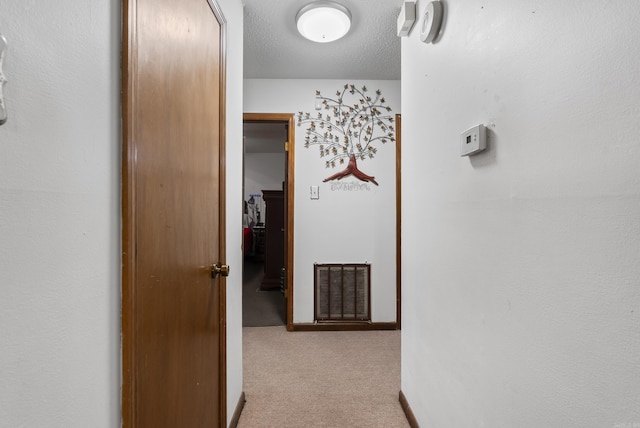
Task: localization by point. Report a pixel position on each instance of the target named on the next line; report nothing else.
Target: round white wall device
(431, 21)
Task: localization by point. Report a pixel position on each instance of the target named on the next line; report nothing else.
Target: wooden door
(173, 215)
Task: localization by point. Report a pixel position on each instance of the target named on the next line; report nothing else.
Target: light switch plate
(473, 140)
(314, 192)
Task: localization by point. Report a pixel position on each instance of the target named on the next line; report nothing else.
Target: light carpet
(346, 379)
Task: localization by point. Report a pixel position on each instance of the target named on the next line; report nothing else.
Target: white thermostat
(473, 140)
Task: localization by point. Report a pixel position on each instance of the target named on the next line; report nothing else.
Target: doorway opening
(268, 219)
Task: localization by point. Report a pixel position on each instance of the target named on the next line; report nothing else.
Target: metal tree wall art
(349, 130)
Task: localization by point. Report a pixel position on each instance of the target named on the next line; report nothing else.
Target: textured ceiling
(273, 48)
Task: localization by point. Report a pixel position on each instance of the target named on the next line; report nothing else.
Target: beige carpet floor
(321, 379)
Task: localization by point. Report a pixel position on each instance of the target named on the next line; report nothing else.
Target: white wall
(341, 226)
(234, 15)
(60, 215)
(521, 265)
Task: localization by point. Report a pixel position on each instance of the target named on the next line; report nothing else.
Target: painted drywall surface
(60, 215)
(521, 265)
(342, 226)
(263, 171)
(233, 14)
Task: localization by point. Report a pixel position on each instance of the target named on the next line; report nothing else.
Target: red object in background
(247, 240)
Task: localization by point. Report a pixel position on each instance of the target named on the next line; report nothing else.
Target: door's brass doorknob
(219, 269)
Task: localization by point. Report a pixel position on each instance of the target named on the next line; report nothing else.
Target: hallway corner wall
(521, 268)
(60, 215)
(234, 15)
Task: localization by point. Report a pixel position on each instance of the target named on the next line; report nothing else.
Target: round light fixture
(323, 21)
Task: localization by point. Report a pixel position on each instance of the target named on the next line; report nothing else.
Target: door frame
(289, 120)
(128, 201)
(398, 221)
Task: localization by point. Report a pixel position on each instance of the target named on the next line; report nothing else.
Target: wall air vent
(342, 292)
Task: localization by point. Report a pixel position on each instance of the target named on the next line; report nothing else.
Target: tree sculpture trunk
(351, 169)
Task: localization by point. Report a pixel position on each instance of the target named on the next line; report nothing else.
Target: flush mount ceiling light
(323, 21)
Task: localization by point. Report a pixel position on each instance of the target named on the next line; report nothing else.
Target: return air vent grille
(342, 292)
